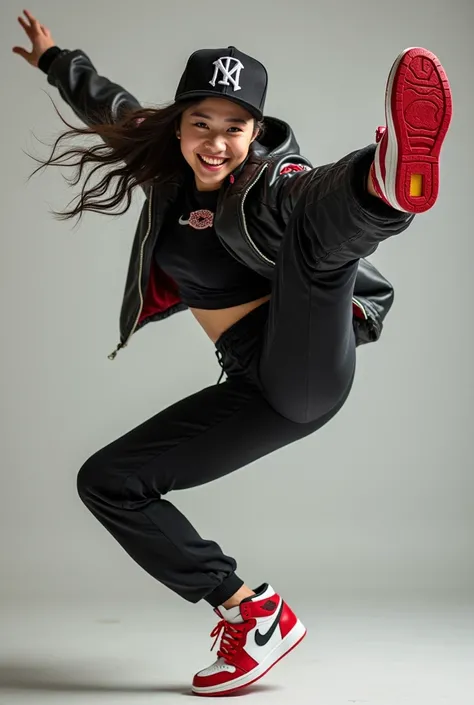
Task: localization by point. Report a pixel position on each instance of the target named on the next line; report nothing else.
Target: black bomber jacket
(253, 209)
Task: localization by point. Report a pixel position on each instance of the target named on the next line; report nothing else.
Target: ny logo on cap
(230, 67)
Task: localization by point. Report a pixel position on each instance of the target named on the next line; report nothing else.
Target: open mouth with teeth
(212, 163)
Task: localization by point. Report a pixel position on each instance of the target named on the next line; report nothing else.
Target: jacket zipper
(113, 355)
(358, 303)
(247, 234)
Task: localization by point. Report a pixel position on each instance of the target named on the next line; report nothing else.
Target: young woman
(268, 254)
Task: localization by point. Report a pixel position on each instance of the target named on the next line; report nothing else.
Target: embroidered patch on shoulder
(288, 168)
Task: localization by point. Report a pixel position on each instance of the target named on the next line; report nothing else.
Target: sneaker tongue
(233, 615)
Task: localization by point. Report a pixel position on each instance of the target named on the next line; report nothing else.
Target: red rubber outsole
(419, 111)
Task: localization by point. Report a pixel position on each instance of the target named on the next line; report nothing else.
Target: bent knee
(88, 478)
(96, 480)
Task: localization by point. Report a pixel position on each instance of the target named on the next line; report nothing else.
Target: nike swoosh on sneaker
(262, 639)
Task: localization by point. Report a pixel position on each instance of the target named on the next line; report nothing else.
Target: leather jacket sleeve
(92, 97)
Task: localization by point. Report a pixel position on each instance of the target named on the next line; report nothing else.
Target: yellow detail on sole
(416, 185)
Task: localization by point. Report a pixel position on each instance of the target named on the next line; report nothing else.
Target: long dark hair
(135, 150)
(138, 148)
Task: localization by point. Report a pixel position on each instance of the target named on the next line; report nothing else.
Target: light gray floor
(387, 654)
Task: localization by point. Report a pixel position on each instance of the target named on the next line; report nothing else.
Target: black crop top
(189, 251)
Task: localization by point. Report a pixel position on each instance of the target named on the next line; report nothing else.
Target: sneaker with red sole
(418, 111)
(255, 636)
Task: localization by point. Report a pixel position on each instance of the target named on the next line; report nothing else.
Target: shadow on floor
(81, 677)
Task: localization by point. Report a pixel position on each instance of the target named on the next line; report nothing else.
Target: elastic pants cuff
(225, 590)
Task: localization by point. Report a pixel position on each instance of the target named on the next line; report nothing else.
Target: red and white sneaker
(418, 111)
(255, 636)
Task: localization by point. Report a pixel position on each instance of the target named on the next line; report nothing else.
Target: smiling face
(215, 137)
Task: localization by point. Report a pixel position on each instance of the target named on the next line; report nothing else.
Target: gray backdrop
(380, 501)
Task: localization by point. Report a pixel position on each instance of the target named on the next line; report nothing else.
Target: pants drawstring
(221, 363)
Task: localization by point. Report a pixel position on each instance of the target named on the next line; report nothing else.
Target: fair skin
(221, 133)
(215, 137)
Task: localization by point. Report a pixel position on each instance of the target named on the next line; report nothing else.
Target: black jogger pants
(289, 368)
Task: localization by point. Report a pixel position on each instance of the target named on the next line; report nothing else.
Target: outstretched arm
(93, 98)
